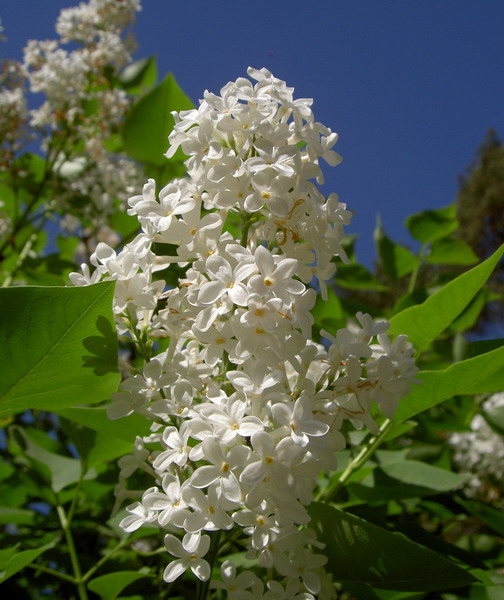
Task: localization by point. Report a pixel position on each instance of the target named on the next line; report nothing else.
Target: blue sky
(410, 86)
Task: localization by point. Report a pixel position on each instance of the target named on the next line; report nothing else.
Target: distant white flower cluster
(246, 409)
(480, 453)
(82, 104)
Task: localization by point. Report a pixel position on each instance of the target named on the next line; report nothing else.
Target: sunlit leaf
(139, 76)
(458, 378)
(431, 225)
(150, 121)
(451, 252)
(424, 322)
(59, 347)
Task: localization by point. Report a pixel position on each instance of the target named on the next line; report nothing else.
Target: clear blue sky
(410, 86)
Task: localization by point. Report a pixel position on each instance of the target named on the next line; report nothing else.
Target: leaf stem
(65, 525)
(204, 586)
(104, 559)
(52, 572)
(356, 463)
(414, 274)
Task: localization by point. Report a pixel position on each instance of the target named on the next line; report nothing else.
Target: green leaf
(149, 122)
(139, 76)
(328, 313)
(360, 552)
(469, 316)
(18, 516)
(414, 472)
(59, 347)
(494, 416)
(424, 322)
(490, 516)
(431, 225)
(357, 277)
(63, 470)
(7, 200)
(395, 260)
(12, 561)
(451, 252)
(109, 586)
(459, 378)
(96, 418)
(396, 480)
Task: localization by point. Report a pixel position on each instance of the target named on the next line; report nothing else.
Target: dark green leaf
(63, 471)
(12, 560)
(395, 260)
(360, 552)
(59, 347)
(357, 277)
(490, 516)
(328, 313)
(109, 586)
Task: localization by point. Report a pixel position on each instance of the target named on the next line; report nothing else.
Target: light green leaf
(394, 480)
(459, 378)
(139, 76)
(18, 516)
(59, 347)
(395, 260)
(431, 225)
(414, 472)
(360, 552)
(469, 316)
(12, 560)
(109, 586)
(451, 252)
(7, 199)
(423, 323)
(149, 122)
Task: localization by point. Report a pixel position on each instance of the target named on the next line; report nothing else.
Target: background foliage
(399, 518)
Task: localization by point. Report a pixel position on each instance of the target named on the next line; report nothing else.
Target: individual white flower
(235, 585)
(275, 279)
(225, 280)
(223, 468)
(189, 553)
(298, 418)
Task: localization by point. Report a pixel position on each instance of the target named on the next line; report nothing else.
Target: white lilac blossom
(82, 103)
(246, 408)
(479, 453)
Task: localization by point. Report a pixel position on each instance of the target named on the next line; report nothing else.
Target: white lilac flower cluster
(480, 454)
(82, 104)
(246, 409)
